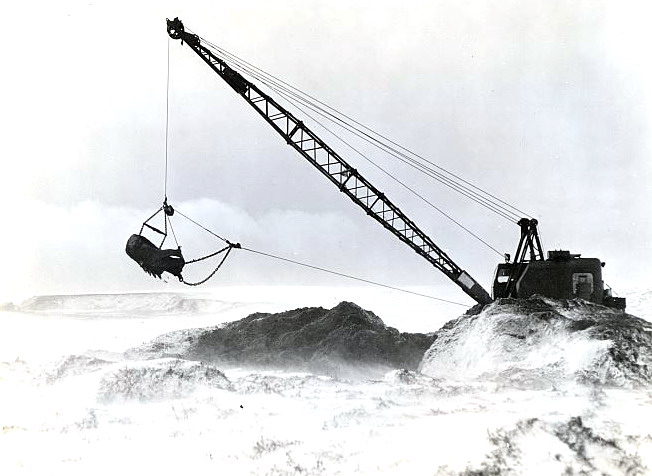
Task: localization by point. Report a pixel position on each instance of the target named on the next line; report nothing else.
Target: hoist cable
(446, 181)
(432, 173)
(406, 159)
(500, 213)
(167, 123)
(407, 187)
(374, 140)
(366, 136)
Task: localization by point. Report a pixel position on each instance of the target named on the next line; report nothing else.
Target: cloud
(79, 248)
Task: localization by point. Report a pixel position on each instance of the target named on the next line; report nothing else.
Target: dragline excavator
(561, 275)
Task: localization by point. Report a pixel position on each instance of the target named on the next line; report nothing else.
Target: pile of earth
(546, 340)
(307, 339)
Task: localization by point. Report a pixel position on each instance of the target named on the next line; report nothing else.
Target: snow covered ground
(72, 403)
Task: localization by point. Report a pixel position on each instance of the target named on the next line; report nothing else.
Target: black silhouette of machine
(561, 275)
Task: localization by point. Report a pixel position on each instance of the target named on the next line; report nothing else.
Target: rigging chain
(226, 255)
(227, 250)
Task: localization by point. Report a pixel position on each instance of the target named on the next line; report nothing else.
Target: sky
(548, 105)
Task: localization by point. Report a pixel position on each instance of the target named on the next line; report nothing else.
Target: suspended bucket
(154, 260)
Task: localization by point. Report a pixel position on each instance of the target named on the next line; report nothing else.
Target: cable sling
(226, 249)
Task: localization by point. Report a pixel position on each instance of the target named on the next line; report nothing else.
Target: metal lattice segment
(338, 171)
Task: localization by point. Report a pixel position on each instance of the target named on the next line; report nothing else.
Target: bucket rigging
(156, 260)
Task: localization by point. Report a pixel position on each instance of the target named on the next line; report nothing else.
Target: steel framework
(345, 177)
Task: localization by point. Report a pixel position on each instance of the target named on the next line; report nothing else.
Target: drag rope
(296, 263)
(348, 276)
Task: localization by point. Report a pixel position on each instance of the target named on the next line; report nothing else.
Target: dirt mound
(545, 339)
(312, 338)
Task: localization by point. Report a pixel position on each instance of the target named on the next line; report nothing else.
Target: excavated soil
(311, 338)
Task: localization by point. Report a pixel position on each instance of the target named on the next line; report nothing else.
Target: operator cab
(563, 275)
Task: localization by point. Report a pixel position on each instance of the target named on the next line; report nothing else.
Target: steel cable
(264, 77)
(299, 263)
(337, 273)
(476, 236)
(167, 123)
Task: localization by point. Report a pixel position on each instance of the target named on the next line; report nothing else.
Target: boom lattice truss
(332, 166)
